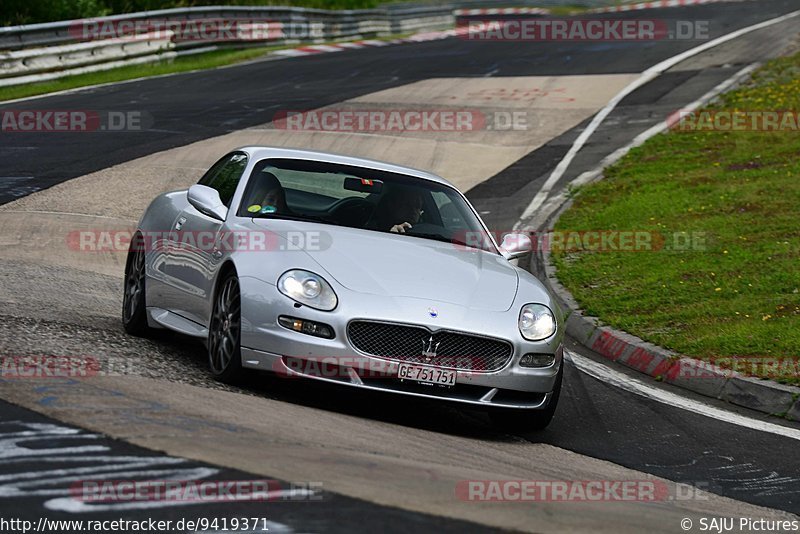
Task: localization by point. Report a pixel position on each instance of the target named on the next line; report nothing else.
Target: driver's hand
(400, 228)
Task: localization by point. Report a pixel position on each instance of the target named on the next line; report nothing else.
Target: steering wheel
(352, 211)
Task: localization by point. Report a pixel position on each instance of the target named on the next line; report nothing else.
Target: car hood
(393, 265)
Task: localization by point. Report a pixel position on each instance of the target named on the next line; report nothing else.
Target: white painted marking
(36, 428)
(28, 489)
(72, 505)
(10, 447)
(290, 53)
(350, 45)
(117, 463)
(323, 48)
(645, 77)
(55, 483)
(633, 385)
(555, 201)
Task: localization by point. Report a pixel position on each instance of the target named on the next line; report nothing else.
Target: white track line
(664, 125)
(554, 202)
(620, 380)
(645, 77)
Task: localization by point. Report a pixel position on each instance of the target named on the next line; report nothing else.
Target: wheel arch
(223, 271)
(227, 267)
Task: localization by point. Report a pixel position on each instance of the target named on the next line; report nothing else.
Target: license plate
(426, 375)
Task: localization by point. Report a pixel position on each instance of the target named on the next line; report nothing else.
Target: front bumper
(270, 347)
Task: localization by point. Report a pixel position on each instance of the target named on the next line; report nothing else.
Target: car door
(199, 250)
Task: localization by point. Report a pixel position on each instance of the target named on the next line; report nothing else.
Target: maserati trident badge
(429, 349)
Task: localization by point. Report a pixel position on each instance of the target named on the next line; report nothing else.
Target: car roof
(264, 152)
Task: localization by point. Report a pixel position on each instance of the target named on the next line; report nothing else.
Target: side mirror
(516, 245)
(206, 200)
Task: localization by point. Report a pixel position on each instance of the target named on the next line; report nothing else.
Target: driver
(404, 210)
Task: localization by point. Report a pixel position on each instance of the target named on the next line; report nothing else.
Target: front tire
(134, 302)
(224, 332)
(521, 421)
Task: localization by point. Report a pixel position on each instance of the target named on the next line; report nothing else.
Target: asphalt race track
(196, 106)
(382, 463)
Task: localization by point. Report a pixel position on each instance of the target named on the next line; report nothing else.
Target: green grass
(739, 295)
(206, 60)
(567, 10)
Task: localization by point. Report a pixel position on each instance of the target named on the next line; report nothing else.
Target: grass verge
(201, 61)
(726, 283)
(205, 60)
(567, 10)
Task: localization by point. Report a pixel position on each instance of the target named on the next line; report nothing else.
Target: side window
(208, 177)
(452, 219)
(224, 176)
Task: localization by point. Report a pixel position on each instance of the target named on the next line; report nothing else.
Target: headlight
(536, 322)
(307, 288)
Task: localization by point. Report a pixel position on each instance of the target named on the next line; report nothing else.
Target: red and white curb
(368, 43)
(654, 5)
(765, 396)
(500, 11)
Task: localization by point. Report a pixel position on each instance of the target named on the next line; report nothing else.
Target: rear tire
(224, 332)
(134, 299)
(521, 421)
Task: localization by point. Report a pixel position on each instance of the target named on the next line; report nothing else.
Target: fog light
(537, 360)
(306, 327)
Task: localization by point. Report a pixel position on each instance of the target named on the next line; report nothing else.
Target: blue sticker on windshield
(268, 209)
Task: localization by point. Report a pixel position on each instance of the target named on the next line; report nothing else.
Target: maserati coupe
(352, 271)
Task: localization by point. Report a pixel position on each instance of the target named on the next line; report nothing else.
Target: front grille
(453, 350)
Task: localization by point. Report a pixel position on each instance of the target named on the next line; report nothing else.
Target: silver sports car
(351, 271)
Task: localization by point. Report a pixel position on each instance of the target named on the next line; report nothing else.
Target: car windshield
(362, 198)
